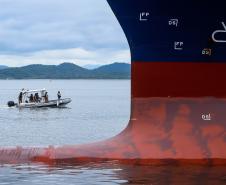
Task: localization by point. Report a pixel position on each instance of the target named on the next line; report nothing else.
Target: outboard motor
(11, 104)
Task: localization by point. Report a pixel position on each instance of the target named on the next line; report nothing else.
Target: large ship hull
(178, 104)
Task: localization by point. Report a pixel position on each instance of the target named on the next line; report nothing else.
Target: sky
(56, 31)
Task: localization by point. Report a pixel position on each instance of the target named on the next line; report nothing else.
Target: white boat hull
(51, 103)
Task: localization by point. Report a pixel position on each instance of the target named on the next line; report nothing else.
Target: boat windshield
(33, 96)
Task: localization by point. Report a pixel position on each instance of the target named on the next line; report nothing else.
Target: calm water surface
(100, 109)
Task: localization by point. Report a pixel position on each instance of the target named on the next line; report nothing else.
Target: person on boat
(36, 98)
(46, 97)
(59, 95)
(20, 97)
(31, 98)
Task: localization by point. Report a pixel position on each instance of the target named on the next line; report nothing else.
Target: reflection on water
(173, 175)
(112, 173)
(62, 174)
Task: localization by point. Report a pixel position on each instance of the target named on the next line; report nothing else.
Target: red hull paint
(178, 79)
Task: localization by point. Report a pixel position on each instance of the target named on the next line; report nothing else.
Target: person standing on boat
(20, 97)
(46, 97)
(59, 95)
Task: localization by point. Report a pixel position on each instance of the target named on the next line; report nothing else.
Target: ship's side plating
(178, 51)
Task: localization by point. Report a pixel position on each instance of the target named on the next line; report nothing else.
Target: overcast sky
(56, 31)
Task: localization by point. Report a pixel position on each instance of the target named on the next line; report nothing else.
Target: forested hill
(66, 71)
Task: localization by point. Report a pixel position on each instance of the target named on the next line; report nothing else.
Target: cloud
(30, 28)
(78, 56)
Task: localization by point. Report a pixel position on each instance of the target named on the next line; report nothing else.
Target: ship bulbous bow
(178, 98)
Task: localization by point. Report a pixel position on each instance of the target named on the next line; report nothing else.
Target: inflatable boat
(37, 99)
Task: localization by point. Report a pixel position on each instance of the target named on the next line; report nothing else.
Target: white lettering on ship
(217, 32)
(144, 16)
(178, 45)
(206, 117)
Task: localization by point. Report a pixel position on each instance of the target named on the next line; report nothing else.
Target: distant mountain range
(66, 71)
